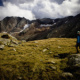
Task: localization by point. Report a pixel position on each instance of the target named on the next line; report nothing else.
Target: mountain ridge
(41, 28)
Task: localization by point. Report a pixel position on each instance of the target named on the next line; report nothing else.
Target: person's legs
(77, 48)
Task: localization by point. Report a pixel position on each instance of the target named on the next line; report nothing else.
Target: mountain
(61, 27)
(12, 24)
(41, 28)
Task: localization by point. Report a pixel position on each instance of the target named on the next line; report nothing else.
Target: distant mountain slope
(38, 29)
(12, 24)
(64, 27)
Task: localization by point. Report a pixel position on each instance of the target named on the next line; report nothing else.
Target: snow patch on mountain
(45, 25)
(26, 26)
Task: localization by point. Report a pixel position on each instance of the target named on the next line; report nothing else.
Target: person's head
(78, 32)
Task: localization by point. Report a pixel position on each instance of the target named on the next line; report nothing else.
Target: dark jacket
(78, 39)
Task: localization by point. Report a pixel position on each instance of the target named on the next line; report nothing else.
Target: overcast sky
(32, 9)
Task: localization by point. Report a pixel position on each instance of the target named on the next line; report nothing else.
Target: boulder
(6, 36)
(11, 45)
(74, 60)
(1, 47)
(35, 41)
(44, 50)
(67, 75)
(5, 41)
(53, 68)
(24, 41)
(14, 42)
(50, 62)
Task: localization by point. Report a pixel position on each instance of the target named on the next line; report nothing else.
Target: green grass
(29, 62)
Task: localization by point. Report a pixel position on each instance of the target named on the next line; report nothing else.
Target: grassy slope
(30, 62)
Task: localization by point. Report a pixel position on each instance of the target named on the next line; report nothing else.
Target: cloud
(12, 10)
(57, 1)
(50, 9)
(32, 9)
(19, 1)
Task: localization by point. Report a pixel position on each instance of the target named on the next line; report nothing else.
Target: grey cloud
(40, 8)
(18, 1)
(57, 1)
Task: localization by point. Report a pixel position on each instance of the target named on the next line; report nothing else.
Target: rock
(50, 52)
(36, 45)
(35, 41)
(11, 45)
(1, 47)
(44, 50)
(56, 55)
(20, 78)
(5, 41)
(74, 60)
(52, 67)
(14, 49)
(6, 36)
(67, 75)
(14, 42)
(23, 41)
(51, 62)
(59, 47)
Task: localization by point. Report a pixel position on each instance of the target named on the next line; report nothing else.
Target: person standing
(78, 41)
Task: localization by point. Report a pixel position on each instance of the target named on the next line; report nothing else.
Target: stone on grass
(14, 49)
(44, 50)
(1, 47)
(51, 62)
(74, 60)
(67, 75)
(14, 42)
(23, 41)
(11, 45)
(6, 36)
(35, 41)
(59, 47)
(53, 68)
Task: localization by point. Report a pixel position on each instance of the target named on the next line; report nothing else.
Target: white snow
(53, 20)
(45, 25)
(66, 21)
(54, 23)
(26, 26)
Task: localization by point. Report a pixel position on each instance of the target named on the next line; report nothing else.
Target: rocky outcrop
(7, 40)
